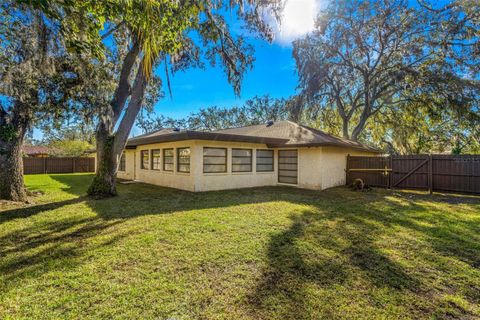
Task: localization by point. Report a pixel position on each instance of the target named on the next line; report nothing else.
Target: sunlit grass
(264, 253)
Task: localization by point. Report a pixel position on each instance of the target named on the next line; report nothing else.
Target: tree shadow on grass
(329, 245)
(324, 249)
(29, 211)
(51, 243)
(37, 249)
(350, 225)
(139, 199)
(451, 234)
(72, 187)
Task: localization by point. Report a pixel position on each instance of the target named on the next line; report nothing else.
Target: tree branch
(222, 35)
(123, 89)
(112, 30)
(134, 105)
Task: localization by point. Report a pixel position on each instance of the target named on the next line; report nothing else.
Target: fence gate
(456, 173)
(410, 172)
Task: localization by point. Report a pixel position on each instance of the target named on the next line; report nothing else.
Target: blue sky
(273, 73)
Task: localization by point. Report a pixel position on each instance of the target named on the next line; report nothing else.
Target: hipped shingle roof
(281, 134)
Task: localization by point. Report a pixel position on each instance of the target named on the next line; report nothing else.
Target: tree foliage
(177, 34)
(39, 81)
(69, 131)
(70, 148)
(257, 110)
(369, 56)
(413, 128)
(417, 128)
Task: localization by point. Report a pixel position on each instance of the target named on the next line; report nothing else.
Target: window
(155, 159)
(214, 160)
(168, 159)
(241, 160)
(264, 160)
(287, 166)
(121, 166)
(144, 158)
(183, 159)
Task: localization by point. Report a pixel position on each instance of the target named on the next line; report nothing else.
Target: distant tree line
(255, 111)
(409, 129)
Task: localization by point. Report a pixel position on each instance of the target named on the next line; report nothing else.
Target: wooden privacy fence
(451, 173)
(57, 165)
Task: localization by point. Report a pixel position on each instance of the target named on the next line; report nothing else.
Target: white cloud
(298, 19)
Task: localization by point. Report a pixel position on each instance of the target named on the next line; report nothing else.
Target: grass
(264, 253)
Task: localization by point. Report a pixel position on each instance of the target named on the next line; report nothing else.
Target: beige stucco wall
(129, 172)
(309, 168)
(229, 179)
(196, 180)
(172, 179)
(333, 163)
(318, 168)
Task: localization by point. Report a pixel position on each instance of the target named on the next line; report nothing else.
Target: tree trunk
(366, 113)
(346, 134)
(343, 115)
(359, 127)
(110, 145)
(103, 184)
(11, 162)
(11, 173)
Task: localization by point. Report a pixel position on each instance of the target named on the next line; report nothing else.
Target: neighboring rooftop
(281, 134)
(36, 150)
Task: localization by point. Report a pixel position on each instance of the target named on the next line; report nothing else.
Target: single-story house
(37, 151)
(276, 153)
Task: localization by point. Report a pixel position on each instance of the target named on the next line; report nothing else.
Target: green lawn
(264, 253)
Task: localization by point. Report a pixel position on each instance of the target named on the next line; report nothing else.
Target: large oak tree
(39, 80)
(366, 56)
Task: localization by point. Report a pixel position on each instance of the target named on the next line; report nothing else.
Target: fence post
(391, 172)
(347, 177)
(389, 183)
(45, 165)
(430, 174)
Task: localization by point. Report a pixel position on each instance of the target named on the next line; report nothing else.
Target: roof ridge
(292, 122)
(321, 131)
(326, 133)
(150, 133)
(252, 125)
(339, 138)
